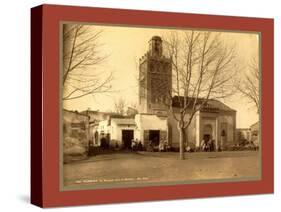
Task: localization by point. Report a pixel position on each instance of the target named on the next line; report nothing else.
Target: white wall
(230, 122)
(103, 127)
(116, 131)
(15, 99)
(151, 122)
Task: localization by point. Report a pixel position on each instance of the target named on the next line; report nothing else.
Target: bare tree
(81, 56)
(120, 106)
(203, 69)
(249, 84)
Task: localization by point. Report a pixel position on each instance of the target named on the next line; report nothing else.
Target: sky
(125, 45)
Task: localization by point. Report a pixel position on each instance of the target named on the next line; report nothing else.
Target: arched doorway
(223, 135)
(223, 138)
(207, 132)
(208, 140)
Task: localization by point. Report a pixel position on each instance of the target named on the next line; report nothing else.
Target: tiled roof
(211, 104)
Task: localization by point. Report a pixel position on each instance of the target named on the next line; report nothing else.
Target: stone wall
(75, 133)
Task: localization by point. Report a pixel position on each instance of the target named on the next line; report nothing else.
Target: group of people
(208, 145)
(136, 145)
(164, 146)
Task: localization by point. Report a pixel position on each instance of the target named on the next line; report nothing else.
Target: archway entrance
(208, 141)
(207, 132)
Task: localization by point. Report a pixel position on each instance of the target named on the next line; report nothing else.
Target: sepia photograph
(142, 106)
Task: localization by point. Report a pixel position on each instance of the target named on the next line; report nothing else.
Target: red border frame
(45, 22)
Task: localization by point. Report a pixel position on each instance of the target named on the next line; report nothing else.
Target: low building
(95, 118)
(214, 121)
(117, 131)
(75, 132)
(122, 131)
(75, 124)
(151, 128)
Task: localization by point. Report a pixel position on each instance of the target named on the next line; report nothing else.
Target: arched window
(223, 133)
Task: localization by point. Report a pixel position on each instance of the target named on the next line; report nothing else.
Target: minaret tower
(155, 78)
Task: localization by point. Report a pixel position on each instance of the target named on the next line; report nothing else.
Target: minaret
(155, 78)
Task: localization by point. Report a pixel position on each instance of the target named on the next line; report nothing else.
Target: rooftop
(211, 104)
(123, 121)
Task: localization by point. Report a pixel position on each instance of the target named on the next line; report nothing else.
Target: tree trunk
(181, 143)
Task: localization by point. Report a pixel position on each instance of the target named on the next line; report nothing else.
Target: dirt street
(147, 167)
